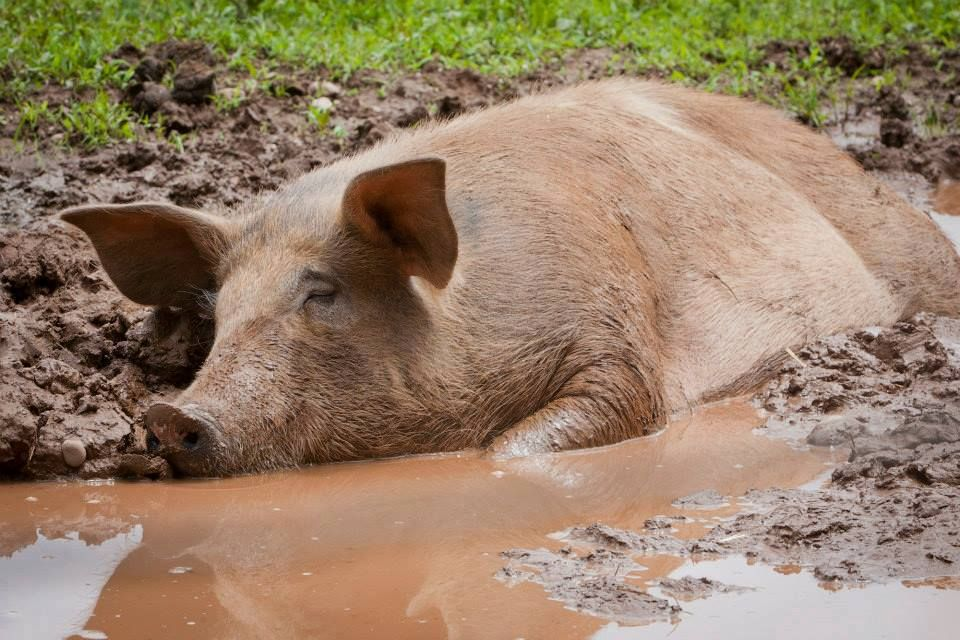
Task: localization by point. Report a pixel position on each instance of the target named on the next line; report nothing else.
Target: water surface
(401, 548)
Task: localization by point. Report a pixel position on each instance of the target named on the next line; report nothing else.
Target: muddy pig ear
(403, 209)
(155, 253)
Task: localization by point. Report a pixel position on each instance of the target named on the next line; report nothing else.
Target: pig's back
(749, 232)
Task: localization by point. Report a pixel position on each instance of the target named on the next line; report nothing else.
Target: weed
(318, 113)
(32, 116)
(97, 122)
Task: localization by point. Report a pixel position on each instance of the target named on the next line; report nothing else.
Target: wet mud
(394, 549)
(888, 400)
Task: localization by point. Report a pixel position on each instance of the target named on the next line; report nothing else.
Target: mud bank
(891, 512)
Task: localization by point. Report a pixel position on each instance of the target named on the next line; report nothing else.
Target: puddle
(785, 603)
(396, 549)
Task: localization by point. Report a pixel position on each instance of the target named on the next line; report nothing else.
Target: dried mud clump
(593, 583)
(879, 387)
(913, 118)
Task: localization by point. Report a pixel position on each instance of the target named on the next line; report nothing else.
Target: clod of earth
(593, 583)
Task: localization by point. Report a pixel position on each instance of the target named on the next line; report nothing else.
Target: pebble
(74, 453)
(322, 104)
(330, 89)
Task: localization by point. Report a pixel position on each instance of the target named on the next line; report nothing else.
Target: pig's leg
(579, 421)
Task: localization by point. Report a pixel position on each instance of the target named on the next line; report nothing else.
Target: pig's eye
(320, 296)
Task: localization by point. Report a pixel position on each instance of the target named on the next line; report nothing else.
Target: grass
(712, 43)
(89, 123)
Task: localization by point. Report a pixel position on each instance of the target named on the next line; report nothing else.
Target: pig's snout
(186, 436)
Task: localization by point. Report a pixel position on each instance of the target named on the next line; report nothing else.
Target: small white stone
(322, 104)
(74, 453)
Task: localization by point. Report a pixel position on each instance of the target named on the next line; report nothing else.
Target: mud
(889, 399)
(909, 125)
(384, 549)
(594, 583)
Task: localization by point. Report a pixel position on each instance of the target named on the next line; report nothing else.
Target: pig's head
(318, 323)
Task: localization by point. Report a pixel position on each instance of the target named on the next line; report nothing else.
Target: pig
(565, 270)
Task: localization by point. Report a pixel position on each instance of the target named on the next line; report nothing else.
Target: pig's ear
(156, 253)
(402, 208)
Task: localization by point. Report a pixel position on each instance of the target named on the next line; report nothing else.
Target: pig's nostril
(191, 440)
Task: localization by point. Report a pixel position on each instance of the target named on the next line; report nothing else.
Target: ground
(209, 106)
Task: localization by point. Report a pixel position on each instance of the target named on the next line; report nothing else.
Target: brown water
(394, 549)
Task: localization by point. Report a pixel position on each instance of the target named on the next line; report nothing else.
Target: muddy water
(394, 549)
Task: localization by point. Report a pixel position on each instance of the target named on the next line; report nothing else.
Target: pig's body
(623, 250)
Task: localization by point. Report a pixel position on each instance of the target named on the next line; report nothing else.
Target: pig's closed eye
(320, 296)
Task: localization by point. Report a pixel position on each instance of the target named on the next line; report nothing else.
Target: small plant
(97, 122)
(935, 123)
(229, 100)
(804, 98)
(175, 138)
(318, 113)
(32, 115)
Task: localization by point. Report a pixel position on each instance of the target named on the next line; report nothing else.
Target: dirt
(909, 126)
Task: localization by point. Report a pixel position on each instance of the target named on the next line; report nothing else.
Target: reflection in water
(48, 589)
(785, 605)
(393, 549)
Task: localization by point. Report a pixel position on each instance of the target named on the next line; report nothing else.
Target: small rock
(331, 89)
(835, 430)
(74, 453)
(706, 499)
(322, 104)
